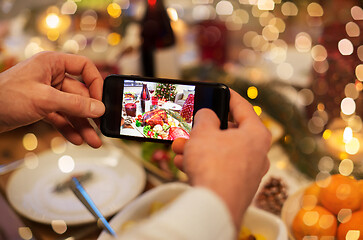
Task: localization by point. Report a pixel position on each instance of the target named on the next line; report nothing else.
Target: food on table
(341, 193)
(161, 156)
(130, 109)
(187, 110)
(272, 195)
(313, 191)
(177, 132)
(154, 117)
(352, 228)
(360, 184)
(338, 196)
(246, 234)
(316, 221)
(129, 96)
(128, 120)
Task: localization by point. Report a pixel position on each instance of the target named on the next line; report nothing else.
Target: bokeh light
(357, 13)
(346, 167)
(52, 20)
(30, 141)
(113, 38)
(59, 226)
(25, 233)
(306, 96)
(319, 53)
(347, 135)
(58, 145)
(258, 110)
(310, 218)
(224, 8)
(71, 46)
(31, 160)
(315, 10)
(321, 67)
(266, 5)
(69, 7)
(360, 52)
(345, 47)
(285, 71)
(359, 72)
(348, 106)
(289, 9)
(252, 92)
(351, 91)
(326, 221)
(303, 42)
(352, 29)
(173, 14)
(353, 235)
(352, 147)
(326, 164)
(344, 215)
(66, 164)
(114, 10)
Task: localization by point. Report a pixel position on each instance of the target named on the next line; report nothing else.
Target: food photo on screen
(157, 110)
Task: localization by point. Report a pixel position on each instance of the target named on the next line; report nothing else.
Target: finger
(240, 108)
(178, 161)
(71, 85)
(63, 126)
(178, 145)
(266, 166)
(86, 131)
(70, 104)
(206, 119)
(80, 65)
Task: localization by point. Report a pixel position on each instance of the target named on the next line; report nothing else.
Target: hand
(41, 88)
(229, 162)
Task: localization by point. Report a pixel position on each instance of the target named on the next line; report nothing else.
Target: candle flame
(347, 135)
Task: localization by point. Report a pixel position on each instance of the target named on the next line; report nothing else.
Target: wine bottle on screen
(158, 50)
(144, 98)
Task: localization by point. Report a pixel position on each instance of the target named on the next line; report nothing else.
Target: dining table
(13, 225)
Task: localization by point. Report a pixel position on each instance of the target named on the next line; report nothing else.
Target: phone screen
(157, 110)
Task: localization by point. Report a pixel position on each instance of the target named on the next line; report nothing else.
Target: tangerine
(315, 222)
(342, 192)
(360, 185)
(311, 195)
(353, 228)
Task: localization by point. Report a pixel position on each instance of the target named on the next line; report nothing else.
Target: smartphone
(156, 109)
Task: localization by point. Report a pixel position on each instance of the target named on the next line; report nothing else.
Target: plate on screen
(114, 179)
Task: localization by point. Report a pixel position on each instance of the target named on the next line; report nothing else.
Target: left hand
(40, 88)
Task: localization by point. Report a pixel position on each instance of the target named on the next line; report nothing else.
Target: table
(11, 149)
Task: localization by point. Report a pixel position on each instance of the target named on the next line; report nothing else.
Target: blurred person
(225, 167)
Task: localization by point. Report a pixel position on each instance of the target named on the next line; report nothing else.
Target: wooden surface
(11, 149)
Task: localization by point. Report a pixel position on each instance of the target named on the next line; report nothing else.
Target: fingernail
(97, 108)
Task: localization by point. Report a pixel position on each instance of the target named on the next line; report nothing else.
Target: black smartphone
(156, 109)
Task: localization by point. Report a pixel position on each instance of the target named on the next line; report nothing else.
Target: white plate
(116, 180)
(258, 221)
(171, 106)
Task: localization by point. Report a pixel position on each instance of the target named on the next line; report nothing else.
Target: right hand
(229, 162)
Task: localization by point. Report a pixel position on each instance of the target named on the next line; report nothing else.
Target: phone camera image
(157, 110)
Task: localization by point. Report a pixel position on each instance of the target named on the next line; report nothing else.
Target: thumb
(73, 104)
(206, 118)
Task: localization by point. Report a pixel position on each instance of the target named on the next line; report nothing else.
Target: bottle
(158, 49)
(144, 97)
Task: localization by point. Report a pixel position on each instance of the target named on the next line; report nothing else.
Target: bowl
(289, 210)
(257, 220)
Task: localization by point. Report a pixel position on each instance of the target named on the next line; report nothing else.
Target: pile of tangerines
(332, 209)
